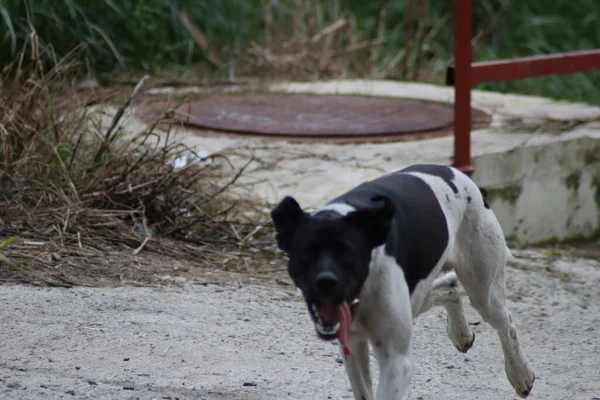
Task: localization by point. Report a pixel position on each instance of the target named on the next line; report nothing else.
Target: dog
(376, 257)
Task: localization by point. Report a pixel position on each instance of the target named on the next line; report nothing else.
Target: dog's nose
(326, 283)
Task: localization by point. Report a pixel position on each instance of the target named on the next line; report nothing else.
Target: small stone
(250, 384)
(13, 385)
(71, 392)
(92, 382)
(126, 359)
(128, 388)
(88, 84)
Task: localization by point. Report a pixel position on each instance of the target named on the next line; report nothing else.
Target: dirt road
(256, 342)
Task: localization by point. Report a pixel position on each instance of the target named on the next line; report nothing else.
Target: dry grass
(77, 196)
(316, 40)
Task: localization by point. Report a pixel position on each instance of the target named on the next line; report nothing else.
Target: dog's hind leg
(481, 271)
(357, 368)
(445, 292)
(443, 289)
(457, 327)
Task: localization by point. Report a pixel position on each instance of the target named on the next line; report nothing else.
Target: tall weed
(411, 39)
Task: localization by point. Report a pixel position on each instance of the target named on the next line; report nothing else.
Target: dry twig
(102, 199)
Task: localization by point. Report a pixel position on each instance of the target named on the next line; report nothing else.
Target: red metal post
(464, 74)
(528, 67)
(463, 27)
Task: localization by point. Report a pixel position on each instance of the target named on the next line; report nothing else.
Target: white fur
(340, 208)
(390, 334)
(477, 252)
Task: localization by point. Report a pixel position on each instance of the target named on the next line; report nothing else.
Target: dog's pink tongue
(345, 318)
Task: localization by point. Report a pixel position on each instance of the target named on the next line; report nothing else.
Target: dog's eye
(347, 256)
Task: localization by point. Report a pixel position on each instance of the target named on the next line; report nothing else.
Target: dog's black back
(418, 234)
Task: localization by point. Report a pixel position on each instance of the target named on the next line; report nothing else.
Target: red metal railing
(465, 74)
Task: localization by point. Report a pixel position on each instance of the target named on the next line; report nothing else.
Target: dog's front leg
(357, 367)
(395, 371)
(387, 316)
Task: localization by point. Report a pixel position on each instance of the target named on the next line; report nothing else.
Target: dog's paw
(463, 342)
(460, 334)
(467, 344)
(523, 381)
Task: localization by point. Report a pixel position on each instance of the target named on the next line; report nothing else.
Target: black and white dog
(390, 249)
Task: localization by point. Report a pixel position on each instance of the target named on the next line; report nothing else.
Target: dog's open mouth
(327, 317)
(332, 321)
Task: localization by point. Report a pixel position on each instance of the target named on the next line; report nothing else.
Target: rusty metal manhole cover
(339, 118)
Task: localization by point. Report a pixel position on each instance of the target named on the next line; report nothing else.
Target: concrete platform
(539, 160)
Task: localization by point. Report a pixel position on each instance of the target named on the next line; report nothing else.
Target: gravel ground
(256, 341)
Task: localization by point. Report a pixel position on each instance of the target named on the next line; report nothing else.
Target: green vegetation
(134, 34)
(386, 39)
(508, 194)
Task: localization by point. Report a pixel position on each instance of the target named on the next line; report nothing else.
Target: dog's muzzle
(326, 306)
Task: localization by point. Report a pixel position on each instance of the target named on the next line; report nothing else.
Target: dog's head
(329, 255)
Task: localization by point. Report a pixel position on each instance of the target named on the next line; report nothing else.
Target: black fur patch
(328, 242)
(418, 233)
(483, 194)
(436, 170)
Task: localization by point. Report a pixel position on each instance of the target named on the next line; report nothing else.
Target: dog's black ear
(285, 218)
(375, 221)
